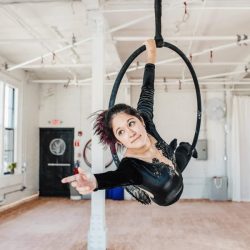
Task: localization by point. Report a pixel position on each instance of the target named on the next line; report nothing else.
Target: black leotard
(164, 182)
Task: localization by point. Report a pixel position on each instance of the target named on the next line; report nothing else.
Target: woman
(150, 169)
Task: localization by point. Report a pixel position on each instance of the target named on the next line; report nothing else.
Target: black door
(56, 160)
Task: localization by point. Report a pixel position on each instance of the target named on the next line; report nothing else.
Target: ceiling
(52, 40)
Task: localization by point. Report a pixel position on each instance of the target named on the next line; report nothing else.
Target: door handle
(59, 164)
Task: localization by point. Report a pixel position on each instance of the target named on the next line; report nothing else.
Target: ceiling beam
(57, 51)
(114, 52)
(65, 43)
(110, 46)
(30, 30)
(92, 4)
(89, 5)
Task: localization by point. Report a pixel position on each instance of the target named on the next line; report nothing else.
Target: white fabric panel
(240, 160)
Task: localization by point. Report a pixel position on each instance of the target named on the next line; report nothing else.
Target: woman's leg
(183, 156)
(146, 100)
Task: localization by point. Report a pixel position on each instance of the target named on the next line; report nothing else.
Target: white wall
(31, 135)
(27, 143)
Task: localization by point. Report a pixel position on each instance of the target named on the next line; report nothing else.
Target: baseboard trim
(19, 202)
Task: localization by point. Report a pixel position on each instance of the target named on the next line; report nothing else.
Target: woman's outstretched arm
(125, 175)
(86, 182)
(146, 100)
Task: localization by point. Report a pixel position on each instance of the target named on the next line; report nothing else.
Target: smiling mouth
(136, 139)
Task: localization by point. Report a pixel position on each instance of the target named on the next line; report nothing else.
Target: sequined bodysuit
(164, 182)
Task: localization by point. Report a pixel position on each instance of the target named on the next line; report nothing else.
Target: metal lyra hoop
(159, 43)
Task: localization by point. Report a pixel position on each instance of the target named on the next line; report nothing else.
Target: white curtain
(240, 149)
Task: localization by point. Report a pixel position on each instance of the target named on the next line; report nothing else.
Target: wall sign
(57, 146)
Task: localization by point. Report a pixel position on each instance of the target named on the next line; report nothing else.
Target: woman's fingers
(84, 185)
(151, 51)
(69, 179)
(74, 184)
(81, 171)
(83, 175)
(82, 181)
(83, 190)
(150, 44)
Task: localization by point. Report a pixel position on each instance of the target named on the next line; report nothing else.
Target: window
(8, 119)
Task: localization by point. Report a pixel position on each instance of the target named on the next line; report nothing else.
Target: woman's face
(129, 130)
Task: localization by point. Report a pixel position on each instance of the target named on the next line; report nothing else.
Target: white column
(97, 232)
(127, 100)
(1, 124)
(229, 107)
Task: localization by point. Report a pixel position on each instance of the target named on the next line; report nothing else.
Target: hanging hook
(180, 84)
(165, 84)
(73, 39)
(238, 39)
(246, 69)
(137, 64)
(242, 38)
(6, 66)
(67, 84)
(53, 58)
(190, 57)
(185, 4)
(245, 37)
(186, 14)
(211, 56)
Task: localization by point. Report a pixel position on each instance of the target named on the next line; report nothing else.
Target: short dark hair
(103, 121)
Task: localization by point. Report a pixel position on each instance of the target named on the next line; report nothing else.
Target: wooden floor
(62, 224)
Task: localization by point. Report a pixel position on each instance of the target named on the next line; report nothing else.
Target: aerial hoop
(159, 43)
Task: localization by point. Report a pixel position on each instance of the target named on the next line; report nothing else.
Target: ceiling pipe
(56, 66)
(48, 54)
(241, 8)
(8, 2)
(176, 38)
(217, 75)
(138, 82)
(125, 39)
(88, 65)
(116, 7)
(33, 40)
